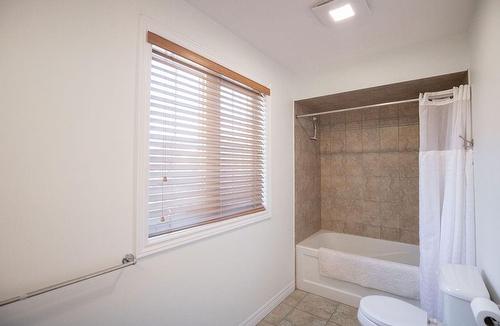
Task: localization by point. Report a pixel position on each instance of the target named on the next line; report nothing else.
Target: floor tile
(345, 316)
(344, 322)
(294, 298)
(317, 306)
(310, 310)
(301, 318)
(278, 313)
(345, 309)
(264, 323)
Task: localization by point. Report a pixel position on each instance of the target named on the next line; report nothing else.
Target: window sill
(183, 237)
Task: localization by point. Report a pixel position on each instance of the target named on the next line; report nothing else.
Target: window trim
(145, 245)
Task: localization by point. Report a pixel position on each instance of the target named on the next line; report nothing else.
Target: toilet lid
(387, 311)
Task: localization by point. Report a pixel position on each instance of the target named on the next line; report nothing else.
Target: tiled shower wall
(369, 172)
(307, 180)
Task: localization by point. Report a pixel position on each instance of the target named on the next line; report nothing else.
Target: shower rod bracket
(467, 143)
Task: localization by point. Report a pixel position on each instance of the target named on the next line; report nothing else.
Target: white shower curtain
(446, 214)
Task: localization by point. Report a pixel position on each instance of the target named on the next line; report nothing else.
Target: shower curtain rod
(355, 108)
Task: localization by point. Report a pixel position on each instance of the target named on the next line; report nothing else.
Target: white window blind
(206, 146)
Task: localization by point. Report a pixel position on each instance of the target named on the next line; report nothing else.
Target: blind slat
(203, 153)
(217, 93)
(206, 147)
(165, 103)
(222, 141)
(204, 130)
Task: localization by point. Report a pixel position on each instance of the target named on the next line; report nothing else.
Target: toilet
(459, 284)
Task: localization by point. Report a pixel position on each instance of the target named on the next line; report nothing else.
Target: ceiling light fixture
(341, 13)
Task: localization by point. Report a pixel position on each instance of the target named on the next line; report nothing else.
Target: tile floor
(306, 309)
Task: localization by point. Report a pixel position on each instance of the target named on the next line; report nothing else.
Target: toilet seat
(378, 310)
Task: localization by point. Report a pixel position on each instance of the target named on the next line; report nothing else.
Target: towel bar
(128, 260)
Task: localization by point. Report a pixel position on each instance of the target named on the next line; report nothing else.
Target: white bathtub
(309, 279)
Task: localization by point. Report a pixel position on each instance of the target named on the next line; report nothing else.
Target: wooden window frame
(207, 63)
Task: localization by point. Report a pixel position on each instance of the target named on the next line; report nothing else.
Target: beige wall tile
(353, 125)
(352, 116)
(370, 114)
(389, 112)
(389, 116)
(353, 228)
(339, 126)
(408, 138)
(370, 124)
(371, 212)
(372, 188)
(409, 188)
(353, 164)
(408, 114)
(372, 231)
(410, 206)
(339, 186)
(332, 225)
(389, 214)
(338, 118)
(354, 141)
(371, 140)
(389, 189)
(354, 187)
(408, 222)
(341, 208)
(323, 119)
(338, 165)
(391, 234)
(325, 139)
(408, 164)
(371, 166)
(338, 141)
(354, 210)
(408, 236)
(389, 164)
(389, 139)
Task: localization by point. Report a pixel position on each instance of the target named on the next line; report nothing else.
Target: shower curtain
(446, 214)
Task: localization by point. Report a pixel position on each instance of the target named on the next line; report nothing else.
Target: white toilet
(459, 284)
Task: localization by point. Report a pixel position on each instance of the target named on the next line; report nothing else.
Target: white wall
(485, 83)
(428, 59)
(67, 120)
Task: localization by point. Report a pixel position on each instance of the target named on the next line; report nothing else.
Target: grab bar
(128, 260)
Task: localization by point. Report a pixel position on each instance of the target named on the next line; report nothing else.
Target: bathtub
(307, 266)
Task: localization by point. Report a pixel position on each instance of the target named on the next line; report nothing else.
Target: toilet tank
(459, 285)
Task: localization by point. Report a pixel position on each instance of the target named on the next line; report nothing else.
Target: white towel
(383, 275)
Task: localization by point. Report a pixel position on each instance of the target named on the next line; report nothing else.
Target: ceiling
(288, 32)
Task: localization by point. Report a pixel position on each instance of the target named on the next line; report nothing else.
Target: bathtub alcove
(356, 182)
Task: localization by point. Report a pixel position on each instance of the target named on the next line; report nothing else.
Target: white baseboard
(262, 312)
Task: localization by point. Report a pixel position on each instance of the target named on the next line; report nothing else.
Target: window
(206, 141)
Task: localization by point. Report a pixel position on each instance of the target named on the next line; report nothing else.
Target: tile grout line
(294, 307)
(327, 320)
